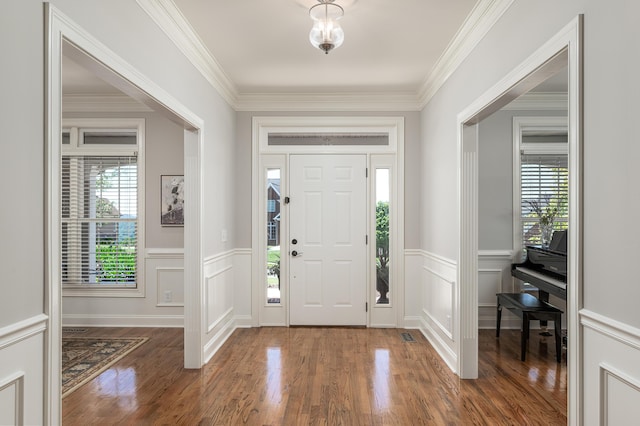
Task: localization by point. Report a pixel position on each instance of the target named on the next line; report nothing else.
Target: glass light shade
(326, 34)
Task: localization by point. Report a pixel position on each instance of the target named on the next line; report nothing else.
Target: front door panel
(329, 223)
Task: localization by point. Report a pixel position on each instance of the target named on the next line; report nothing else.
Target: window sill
(102, 292)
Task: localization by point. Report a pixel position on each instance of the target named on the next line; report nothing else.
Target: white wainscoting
(436, 283)
(242, 287)
(494, 276)
(219, 280)
(611, 371)
(22, 372)
(162, 306)
(165, 276)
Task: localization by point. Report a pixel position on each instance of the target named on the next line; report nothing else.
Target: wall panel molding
(12, 388)
(619, 396)
(14, 333)
(437, 278)
(611, 328)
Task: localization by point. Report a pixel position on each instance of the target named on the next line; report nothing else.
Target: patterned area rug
(83, 358)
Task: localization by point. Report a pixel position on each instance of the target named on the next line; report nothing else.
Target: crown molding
(102, 103)
(371, 101)
(481, 19)
(539, 101)
(173, 23)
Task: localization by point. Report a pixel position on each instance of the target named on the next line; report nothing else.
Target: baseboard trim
(446, 353)
(86, 320)
(216, 342)
(244, 321)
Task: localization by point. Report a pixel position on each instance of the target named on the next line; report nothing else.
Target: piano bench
(530, 308)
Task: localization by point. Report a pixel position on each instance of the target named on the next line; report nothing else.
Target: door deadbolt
(294, 241)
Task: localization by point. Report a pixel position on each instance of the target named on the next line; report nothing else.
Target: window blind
(99, 220)
(544, 180)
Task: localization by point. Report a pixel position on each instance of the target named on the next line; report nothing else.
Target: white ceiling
(262, 46)
(260, 49)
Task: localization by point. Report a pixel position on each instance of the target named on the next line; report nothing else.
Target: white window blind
(99, 220)
(544, 180)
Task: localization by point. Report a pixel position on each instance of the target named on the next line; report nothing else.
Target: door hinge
(366, 306)
(366, 172)
(366, 240)
(287, 200)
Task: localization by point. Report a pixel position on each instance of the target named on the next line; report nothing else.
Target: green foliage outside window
(382, 250)
(116, 262)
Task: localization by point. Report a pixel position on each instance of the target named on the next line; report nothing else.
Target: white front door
(327, 247)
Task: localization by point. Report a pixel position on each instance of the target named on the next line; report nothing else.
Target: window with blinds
(101, 178)
(544, 189)
(99, 220)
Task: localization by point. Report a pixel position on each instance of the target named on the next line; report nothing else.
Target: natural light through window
(382, 236)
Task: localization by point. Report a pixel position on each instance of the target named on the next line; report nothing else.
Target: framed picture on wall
(172, 200)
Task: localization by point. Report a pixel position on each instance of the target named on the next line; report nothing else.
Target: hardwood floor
(322, 376)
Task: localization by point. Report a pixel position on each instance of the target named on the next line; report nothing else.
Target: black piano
(546, 268)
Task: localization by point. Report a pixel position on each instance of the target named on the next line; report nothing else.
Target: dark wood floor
(335, 376)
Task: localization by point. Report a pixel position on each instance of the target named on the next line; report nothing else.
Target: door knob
(296, 253)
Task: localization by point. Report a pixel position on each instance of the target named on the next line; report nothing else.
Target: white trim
(607, 372)
(565, 47)
(611, 328)
(216, 342)
(113, 69)
(442, 328)
(220, 256)
(265, 156)
(446, 353)
(450, 263)
(159, 270)
(449, 281)
(415, 252)
(495, 254)
(173, 23)
(116, 103)
(341, 101)
(479, 22)
(22, 330)
(243, 321)
(539, 101)
(193, 249)
(393, 126)
(212, 325)
(164, 253)
(17, 380)
(243, 252)
(107, 320)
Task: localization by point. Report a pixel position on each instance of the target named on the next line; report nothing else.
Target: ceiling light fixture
(326, 33)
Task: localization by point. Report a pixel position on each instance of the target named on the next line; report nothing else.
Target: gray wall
(164, 155)
(610, 86)
(412, 170)
(21, 171)
(141, 43)
(495, 177)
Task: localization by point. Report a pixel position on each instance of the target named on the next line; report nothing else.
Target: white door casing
(328, 219)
